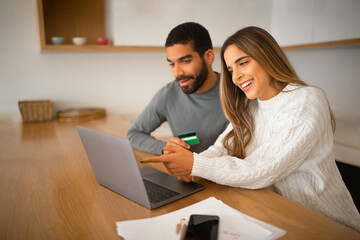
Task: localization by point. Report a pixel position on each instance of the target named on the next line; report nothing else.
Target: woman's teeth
(246, 84)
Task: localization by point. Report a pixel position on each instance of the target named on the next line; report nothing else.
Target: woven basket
(36, 111)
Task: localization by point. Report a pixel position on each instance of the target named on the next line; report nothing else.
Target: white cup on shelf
(78, 41)
(57, 40)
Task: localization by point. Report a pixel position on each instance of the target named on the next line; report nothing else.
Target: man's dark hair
(190, 33)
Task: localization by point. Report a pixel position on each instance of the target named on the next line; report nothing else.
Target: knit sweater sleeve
(286, 145)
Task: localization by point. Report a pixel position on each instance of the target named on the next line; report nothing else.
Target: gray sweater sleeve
(149, 120)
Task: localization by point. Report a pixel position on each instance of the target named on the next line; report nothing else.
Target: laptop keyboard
(158, 193)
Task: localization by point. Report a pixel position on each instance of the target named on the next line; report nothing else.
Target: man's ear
(209, 56)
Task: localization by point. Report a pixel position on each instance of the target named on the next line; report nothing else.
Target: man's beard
(198, 82)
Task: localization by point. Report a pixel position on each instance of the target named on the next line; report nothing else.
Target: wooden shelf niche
(70, 18)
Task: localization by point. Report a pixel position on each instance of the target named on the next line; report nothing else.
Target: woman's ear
(209, 56)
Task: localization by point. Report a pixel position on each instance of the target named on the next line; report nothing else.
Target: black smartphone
(202, 227)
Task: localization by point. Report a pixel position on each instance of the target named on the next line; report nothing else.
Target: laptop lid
(114, 165)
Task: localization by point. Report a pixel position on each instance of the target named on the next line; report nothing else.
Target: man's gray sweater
(199, 112)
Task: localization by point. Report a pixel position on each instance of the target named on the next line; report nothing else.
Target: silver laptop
(114, 165)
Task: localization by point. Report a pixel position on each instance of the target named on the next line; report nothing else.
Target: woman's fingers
(179, 161)
(185, 178)
(155, 159)
(176, 141)
(163, 158)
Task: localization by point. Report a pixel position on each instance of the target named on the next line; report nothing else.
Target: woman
(280, 134)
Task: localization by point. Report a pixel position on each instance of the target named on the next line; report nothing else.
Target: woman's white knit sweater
(291, 153)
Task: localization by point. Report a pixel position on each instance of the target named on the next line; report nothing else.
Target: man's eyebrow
(181, 58)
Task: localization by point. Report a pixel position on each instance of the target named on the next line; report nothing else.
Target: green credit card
(189, 137)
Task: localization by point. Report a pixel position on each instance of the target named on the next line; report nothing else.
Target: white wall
(221, 18)
(309, 21)
(337, 71)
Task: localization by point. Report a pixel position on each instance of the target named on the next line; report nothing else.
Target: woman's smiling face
(248, 74)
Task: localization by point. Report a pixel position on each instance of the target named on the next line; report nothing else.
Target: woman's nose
(237, 76)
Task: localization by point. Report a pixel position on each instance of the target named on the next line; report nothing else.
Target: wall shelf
(50, 47)
(70, 18)
(70, 47)
(323, 44)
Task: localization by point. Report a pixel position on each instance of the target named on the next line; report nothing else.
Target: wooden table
(48, 190)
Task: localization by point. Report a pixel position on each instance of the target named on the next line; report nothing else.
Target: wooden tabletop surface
(48, 190)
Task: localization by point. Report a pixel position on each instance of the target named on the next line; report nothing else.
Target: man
(191, 102)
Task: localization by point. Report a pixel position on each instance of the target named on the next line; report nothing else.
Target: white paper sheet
(232, 225)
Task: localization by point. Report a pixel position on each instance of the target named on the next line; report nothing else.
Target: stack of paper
(232, 225)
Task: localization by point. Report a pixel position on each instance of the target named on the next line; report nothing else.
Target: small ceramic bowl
(102, 41)
(57, 40)
(79, 41)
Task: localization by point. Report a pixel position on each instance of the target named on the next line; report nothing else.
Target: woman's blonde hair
(262, 47)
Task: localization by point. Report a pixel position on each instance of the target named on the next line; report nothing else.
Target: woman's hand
(187, 178)
(176, 141)
(178, 160)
